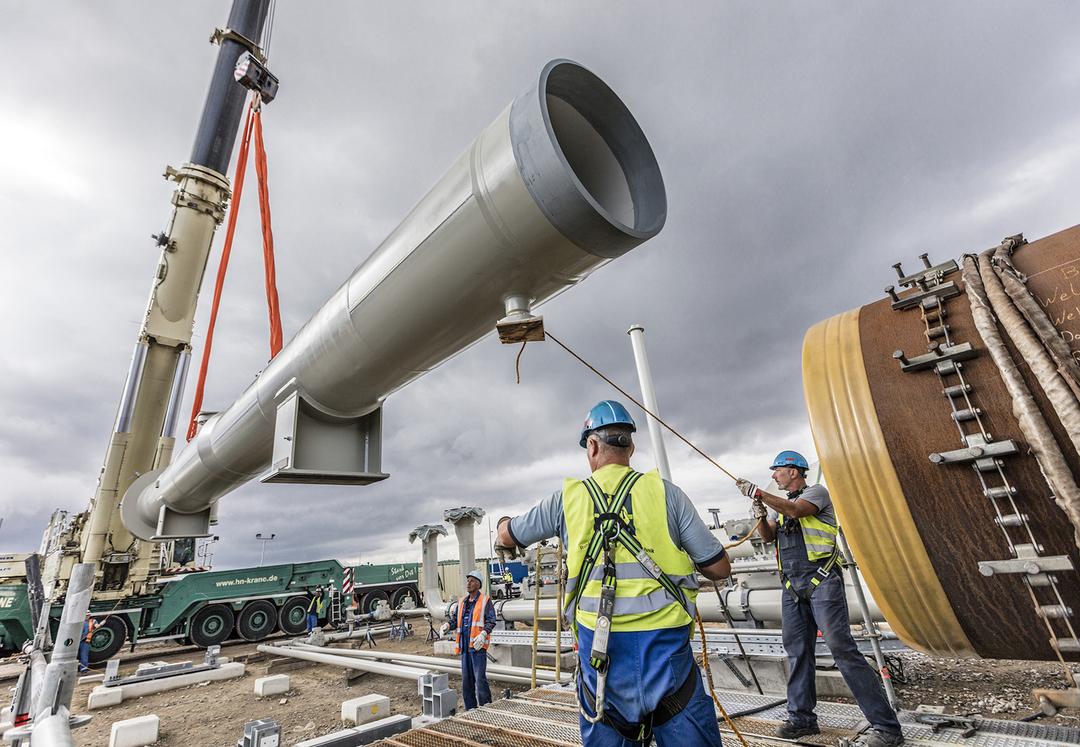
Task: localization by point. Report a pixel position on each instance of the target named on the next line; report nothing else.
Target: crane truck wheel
(292, 617)
(211, 625)
(257, 620)
(400, 595)
(107, 639)
(371, 600)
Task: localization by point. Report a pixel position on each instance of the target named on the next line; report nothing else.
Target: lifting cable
(647, 412)
(252, 126)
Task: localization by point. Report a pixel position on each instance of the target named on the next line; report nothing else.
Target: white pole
(648, 396)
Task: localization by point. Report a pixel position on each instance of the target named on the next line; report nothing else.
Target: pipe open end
(586, 161)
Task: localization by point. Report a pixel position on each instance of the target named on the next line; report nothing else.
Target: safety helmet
(476, 575)
(608, 412)
(790, 459)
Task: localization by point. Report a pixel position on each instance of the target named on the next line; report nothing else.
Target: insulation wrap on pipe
(561, 183)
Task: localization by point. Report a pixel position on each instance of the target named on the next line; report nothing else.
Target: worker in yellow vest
(804, 527)
(475, 621)
(635, 544)
(315, 610)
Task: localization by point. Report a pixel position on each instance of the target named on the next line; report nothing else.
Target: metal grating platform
(548, 718)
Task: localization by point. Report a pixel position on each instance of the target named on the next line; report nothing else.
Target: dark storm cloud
(805, 148)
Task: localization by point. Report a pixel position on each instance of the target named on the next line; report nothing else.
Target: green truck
(208, 607)
(393, 583)
(203, 609)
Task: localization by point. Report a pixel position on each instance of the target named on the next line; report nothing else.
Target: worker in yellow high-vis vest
(804, 527)
(634, 545)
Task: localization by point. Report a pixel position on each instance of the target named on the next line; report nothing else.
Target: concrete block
(134, 732)
(104, 697)
(445, 648)
(365, 709)
(275, 684)
(139, 689)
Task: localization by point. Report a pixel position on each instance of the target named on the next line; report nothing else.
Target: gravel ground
(213, 714)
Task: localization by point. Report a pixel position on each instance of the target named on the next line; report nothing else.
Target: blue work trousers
(827, 612)
(312, 622)
(84, 657)
(474, 684)
(645, 667)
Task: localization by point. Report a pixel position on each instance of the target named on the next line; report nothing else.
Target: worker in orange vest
(475, 621)
(89, 626)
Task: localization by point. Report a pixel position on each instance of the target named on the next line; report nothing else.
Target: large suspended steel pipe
(945, 554)
(562, 182)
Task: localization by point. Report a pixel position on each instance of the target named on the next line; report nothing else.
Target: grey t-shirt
(685, 527)
(819, 496)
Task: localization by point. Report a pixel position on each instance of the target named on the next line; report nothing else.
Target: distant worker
(315, 610)
(475, 621)
(88, 628)
(804, 527)
(632, 607)
(508, 584)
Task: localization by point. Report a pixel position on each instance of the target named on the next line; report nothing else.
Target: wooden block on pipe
(285, 664)
(353, 676)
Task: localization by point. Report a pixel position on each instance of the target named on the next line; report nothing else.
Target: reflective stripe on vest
(641, 603)
(819, 537)
(476, 625)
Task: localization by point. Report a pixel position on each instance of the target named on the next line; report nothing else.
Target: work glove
(746, 487)
(502, 550)
(758, 510)
(444, 629)
(479, 640)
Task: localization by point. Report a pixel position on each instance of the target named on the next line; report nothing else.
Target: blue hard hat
(790, 459)
(608, 412)
(476, 575)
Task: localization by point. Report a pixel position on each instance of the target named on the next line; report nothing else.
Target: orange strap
(253, 124)
(268, 239)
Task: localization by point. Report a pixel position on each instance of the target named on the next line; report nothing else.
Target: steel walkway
(548, 717)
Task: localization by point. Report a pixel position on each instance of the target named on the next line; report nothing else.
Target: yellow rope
(708, 678)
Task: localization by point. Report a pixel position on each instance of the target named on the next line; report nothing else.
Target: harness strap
(627, 539)
(668, 708)
(820, 575)
(597, 541)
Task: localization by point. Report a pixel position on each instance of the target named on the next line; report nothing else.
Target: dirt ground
(213, 714)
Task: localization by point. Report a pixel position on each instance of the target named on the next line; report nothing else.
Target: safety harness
(609, 528)
(791, 526)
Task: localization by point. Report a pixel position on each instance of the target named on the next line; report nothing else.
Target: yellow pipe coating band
(866, 492)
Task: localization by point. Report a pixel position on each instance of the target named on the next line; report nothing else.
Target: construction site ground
(213, 714)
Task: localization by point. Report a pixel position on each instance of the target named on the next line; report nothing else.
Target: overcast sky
(805, 148)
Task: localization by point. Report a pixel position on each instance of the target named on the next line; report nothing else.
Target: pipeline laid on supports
(437, 662)
(561, 183)
(939, 491)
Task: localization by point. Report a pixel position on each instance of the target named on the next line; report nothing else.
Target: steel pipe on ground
(375, 667)
(438, 662)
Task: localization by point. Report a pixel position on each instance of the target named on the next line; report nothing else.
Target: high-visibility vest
(315, 606)
(91, 626)
(641, 603)
(819, 537)
(477, 624)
